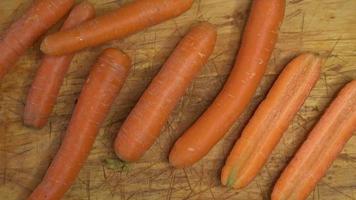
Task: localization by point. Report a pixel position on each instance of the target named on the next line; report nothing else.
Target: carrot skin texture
(144, 124)
(271, 120)
(50, 75)
(321, 148)
(102, 86)
(257, 44)
(118, 24)
(27, 29)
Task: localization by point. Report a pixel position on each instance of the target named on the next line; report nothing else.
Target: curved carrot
(126, 20)
(321, 148)
(50, 75)
(256, 48)
(26, 30)
(271, 120)
(146, 120)
(98, 93)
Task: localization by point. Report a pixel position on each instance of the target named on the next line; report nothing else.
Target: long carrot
(98, 94)
(258, 41)
(146, 120)
(122, 22)
(50, 75)
(26, 30)
(271, 120)
(321, 148)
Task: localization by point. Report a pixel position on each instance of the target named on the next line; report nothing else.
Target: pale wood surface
(324, 26)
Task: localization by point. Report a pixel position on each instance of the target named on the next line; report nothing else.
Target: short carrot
(26, 30)
(146, 120)
(99, 91)
(258, 42)
(120, 23)
(271, 120)
(321, 148)
(50, 75)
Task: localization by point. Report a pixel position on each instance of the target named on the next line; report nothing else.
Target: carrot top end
(116, 164)
(232, 178)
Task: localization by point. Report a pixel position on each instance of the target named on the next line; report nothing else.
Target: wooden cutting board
(324, 26)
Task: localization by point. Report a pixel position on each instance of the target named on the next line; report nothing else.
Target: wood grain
(324, 26)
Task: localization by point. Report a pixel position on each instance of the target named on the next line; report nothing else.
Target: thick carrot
(98, 94)
(26, 30)
(321, 148)
(120, 23)
(271, 120)
(50, 75)
(258, 41)
(146, 120)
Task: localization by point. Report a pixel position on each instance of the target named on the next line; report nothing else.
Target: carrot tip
(32, 120)
(33, 124)
(44, 45)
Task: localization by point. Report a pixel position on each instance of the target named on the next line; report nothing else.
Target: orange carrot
(50, 75)
(321, 148)
(98, 94)
(258, 41)
(118, 24)
(146, 120)
(271, 120)
(26, 30)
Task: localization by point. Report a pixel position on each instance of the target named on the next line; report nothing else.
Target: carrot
(26, 30)
(50, 75)
(98, 94)
(270, 121)
(146, 120)
(321, 148)
(118, 24)
(258, 41)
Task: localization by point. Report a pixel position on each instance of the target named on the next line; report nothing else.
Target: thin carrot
(50, 75)
(271, 120)
(258, 42)
(146, 120)
(26, 30)
(96, 98)
(324, 143)
(120, 23)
